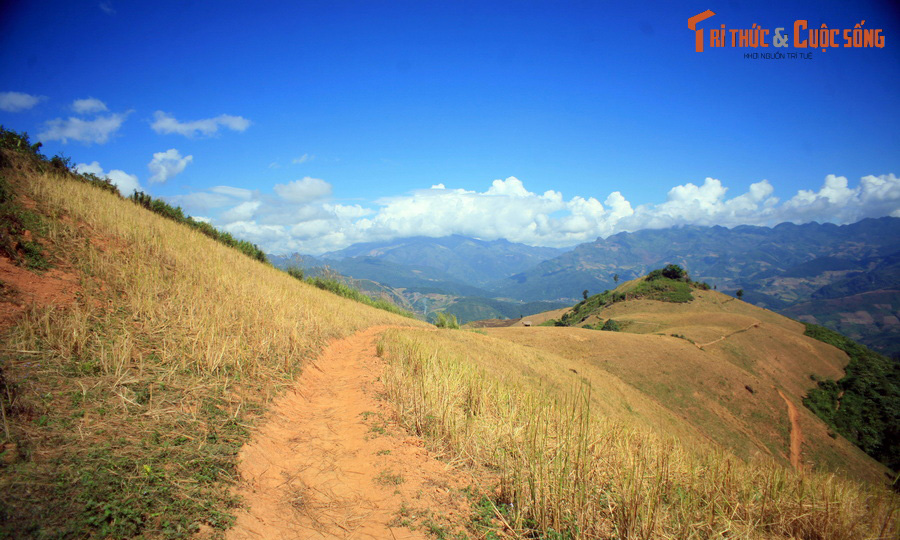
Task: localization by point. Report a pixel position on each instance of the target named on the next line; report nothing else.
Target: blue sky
(308, 126)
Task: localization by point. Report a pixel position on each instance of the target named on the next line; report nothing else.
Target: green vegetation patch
(444, 320)
(864, 405)
(669, 284)
(92, 455)
(342, 289)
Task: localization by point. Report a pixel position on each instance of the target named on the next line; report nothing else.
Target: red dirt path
(330, 464)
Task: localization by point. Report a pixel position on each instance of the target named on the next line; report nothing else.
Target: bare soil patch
(796, 434)
(21, 288)
(331, 463)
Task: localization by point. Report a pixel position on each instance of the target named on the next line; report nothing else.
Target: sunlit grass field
(563, 469)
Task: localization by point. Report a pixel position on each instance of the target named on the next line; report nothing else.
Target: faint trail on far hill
(796, 434)
(327, 463)
(754, 325)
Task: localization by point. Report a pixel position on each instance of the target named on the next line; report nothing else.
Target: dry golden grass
(191, 303)
(563, 467)
(129, 405)
(708, 386)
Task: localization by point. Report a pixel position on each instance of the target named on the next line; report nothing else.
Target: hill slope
(127, 394)
(715, 361)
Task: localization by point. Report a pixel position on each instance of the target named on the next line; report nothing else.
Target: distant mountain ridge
(433, 274)
(740, 257)
(778, 268)
(846, 277)
(472, 261)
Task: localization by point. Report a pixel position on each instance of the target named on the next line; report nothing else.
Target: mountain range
(846, 277)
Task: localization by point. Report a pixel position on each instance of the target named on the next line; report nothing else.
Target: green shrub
(19, 142)
(295, 272)
(445, 320)
(864, 405)
(334, 286)
(611, 326)
(670, 271)
(553, 322)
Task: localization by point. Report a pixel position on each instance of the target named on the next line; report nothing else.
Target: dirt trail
(796, 434)
(754, 325)
(329, 463)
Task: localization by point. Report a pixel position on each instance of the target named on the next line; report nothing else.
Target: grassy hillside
(719, 363)
(127, 397)
(573, 454)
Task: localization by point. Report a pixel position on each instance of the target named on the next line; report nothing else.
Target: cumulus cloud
(165, 123)
(242, 212)
(216, 197)
(166, 165)
(300, 216)
(304, 190)
(18, 101)
(127, 183)
(88, 106)
(97, 130)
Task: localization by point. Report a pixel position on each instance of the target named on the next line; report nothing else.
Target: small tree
(616, 278)
(673, 271)
(740, 293)
(584, 293)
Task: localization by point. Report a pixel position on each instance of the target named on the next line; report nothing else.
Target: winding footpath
(796, 434)
(330, 463)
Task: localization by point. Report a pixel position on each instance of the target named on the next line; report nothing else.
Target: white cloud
(127, 183)
(201, 200)
(301, 218)
(347, 211)
(241, 212)
(18, 101)
(97, 130)
(165, 123)
(107, 8)
(88, 106)
(166, 165)
(216, 197)
(237, 193)
(304, 190)
(303, 159)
